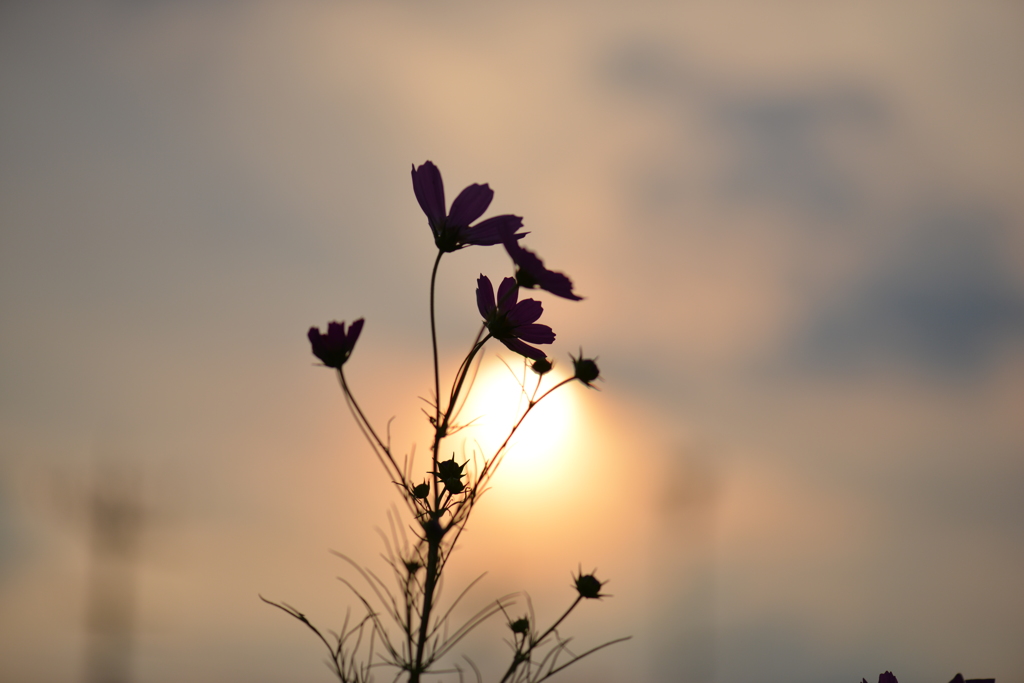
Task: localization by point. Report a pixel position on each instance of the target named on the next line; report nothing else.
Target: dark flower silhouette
(452, 229)
(336, 346)
(530, 271)
(889, 677)
(511, 322)
(886, 677)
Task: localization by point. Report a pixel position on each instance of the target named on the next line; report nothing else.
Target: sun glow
(538, 454)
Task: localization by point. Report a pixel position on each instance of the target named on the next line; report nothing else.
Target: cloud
(944, 300)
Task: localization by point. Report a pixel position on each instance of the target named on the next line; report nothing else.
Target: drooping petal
(524, 312)
(429, 189)
(524, 349)
(484, 296)
(535, 333)
(508, 293)
(494, 230)
(559, 284)
(532, 272)
(470, 205)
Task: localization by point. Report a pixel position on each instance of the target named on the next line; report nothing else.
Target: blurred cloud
(946, 298)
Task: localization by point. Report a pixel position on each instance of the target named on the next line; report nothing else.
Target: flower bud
(421, 491)
(521, 625)
(450, 474)
(446, 469)
(542, 366)
(585, 369)
(454, 485)
(588, 586)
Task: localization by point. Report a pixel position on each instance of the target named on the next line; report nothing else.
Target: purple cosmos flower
(530, 271)
(452, 230)
(336, 346)
(511, 322)
(888, 677)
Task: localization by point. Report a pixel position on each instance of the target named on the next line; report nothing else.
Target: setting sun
(539, 453)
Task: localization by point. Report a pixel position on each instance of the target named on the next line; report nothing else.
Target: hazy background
(798, 229)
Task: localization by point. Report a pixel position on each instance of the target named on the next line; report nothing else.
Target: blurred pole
(683, 572)
(115, 519)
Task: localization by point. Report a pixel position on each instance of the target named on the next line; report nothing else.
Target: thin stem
(461, 378)
(429, 585)
(433, 341)
(538, 641)
(463, 370)
(521, 657)
(371, 435)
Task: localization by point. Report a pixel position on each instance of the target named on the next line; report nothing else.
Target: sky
(797, 229)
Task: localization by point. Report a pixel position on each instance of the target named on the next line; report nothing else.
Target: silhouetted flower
(421, 491)
(452, 229)
(511, 322)
(588, 586)
(585, 369)
(336, 346)
(888, 677)
(530, 271)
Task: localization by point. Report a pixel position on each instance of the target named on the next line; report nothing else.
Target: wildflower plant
(406, 627)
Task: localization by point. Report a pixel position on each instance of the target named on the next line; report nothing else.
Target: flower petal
(429, 189)
(470, 205)
(558, 284)
(353, 332)
(524, 312)
(484, 296)
(336, 333)
(524, 349)
(508, 293)
(535, 333)
(532, 272)
(494, 230)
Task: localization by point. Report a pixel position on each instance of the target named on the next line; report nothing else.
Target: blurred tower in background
(684, 572)
(115, 520)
